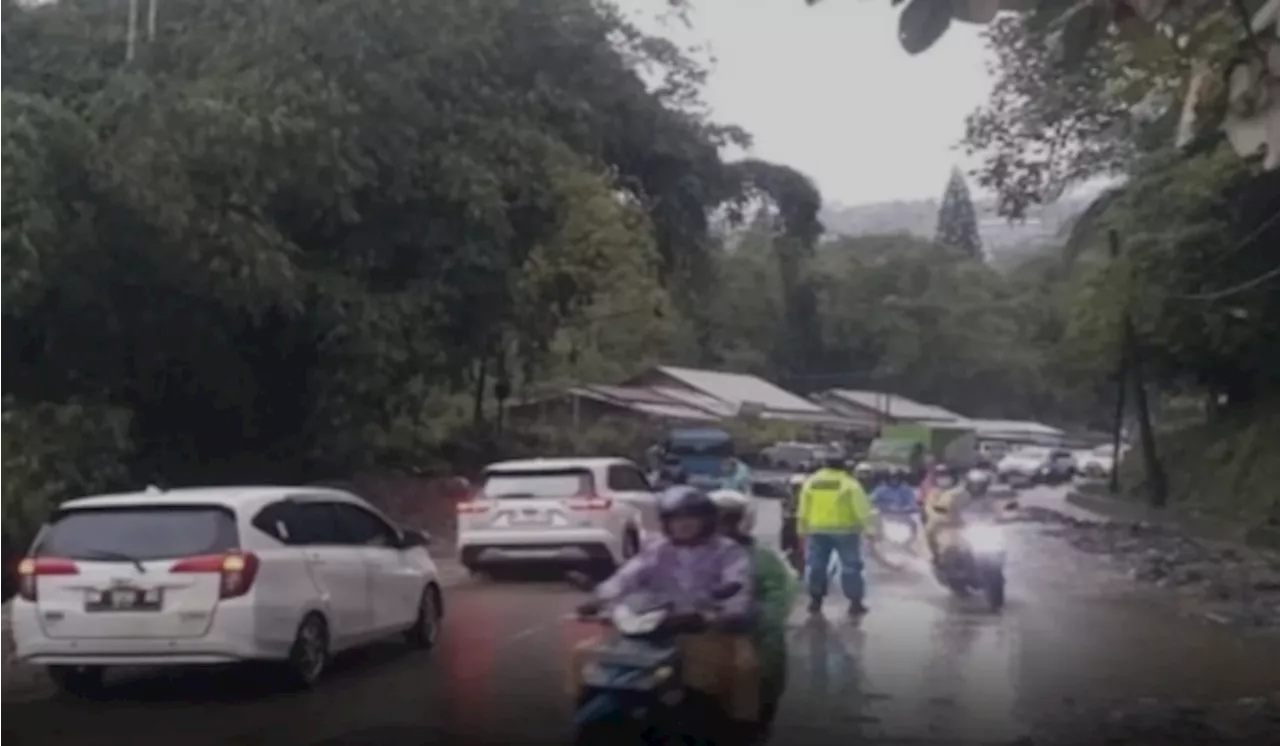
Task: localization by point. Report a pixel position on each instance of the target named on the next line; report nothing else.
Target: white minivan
(219, 575)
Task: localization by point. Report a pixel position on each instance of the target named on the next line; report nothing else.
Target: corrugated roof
(1013, 426)
(737, 388)
(697, 399)
(645, 401)
(892, 405)
(674, 411)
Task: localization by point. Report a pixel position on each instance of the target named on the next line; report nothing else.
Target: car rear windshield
(514, 485)
(139, 533)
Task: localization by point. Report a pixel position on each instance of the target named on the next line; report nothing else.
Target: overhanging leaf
(975, 11)
(922, 23)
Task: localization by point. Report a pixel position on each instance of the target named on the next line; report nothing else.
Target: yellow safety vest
(832, 502)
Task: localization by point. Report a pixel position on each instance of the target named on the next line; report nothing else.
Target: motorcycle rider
(866, 476)
(775, 591)
(672, 473)
(949, 509)
(789, 540)
(685, 567)
(939, 480)
(735, 475)
(833, 515)
(894, 496)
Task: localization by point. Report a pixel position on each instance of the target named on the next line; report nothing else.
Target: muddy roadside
(1213, 572)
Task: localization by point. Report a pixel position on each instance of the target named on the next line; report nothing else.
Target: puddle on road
(923, 665)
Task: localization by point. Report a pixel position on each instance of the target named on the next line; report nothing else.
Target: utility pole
(1156, 479)
(1122, 386)
(131, 36)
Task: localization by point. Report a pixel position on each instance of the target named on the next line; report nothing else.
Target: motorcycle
(974, 561)
(633, 690)
(898, 536)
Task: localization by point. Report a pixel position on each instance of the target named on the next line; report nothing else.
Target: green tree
(957, 220)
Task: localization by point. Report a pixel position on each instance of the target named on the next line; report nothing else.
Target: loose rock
(1235, 585)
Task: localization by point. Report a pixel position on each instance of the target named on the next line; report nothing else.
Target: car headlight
(985, 538)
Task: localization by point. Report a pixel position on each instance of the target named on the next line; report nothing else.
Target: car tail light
(32, 568)
(590, 502)
(473, 507)
(238, 569)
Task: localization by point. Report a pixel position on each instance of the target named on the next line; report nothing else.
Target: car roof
(556, 464)
(230, 496)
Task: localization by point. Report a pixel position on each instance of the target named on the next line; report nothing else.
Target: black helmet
(674, 474)
(834, 461)
(683, 501)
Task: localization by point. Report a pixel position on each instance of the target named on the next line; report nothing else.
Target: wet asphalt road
(922, 667)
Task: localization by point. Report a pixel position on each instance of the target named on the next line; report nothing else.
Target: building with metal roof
(737, 394)
(883, 408)
(675, 395)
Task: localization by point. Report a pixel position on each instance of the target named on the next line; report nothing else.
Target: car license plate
(531, 518)
(123, 599)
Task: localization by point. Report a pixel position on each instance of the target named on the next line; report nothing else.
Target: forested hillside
(290, 240)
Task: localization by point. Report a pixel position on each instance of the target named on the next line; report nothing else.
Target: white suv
(219, 575)
(589, 511)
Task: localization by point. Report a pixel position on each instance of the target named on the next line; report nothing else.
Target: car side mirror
(414, 537)
(726, 591)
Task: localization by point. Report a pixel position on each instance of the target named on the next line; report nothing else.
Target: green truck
(906, 446)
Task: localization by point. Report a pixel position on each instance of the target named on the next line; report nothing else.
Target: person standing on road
(833, 514)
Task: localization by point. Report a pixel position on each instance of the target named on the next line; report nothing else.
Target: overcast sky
(827, 90)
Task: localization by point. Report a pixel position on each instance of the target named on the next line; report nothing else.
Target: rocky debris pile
(1235, 585)
(1253, 721)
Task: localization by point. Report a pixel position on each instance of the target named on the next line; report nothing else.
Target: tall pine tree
(957, 220)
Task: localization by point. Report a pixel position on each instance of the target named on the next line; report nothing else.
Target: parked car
(793, 456)
(1096, 463)
(219, 575)
(992, 451)
(589, 512)
(1023, 467)
(1061, 467)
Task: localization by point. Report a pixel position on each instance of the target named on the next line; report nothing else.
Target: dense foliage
(957, 220)
(1198, 228)
(290, 240)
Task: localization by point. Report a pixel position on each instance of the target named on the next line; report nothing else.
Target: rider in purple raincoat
(685, 567)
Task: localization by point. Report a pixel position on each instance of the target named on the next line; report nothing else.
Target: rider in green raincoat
(775, 593)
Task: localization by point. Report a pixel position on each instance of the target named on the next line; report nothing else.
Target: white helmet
(733, 502)
(977, 481)
(796, 481)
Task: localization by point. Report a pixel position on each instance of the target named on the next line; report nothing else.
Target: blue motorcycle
(633, 691)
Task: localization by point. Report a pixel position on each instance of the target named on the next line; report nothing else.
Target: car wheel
(310, 652)
(426, 628)
(78, 681)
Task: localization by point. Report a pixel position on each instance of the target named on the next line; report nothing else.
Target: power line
(1247, 284)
